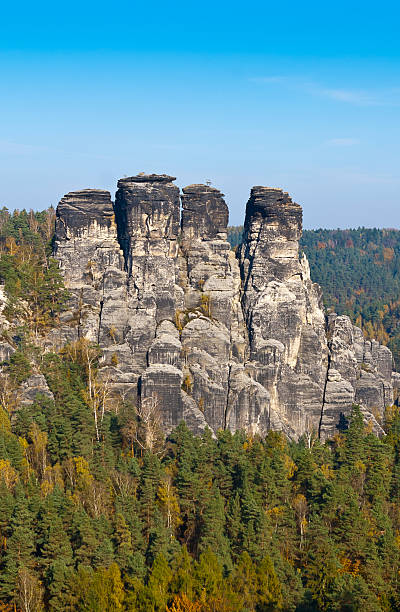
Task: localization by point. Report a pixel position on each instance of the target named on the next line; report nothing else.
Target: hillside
(100, 510)
(359, 272)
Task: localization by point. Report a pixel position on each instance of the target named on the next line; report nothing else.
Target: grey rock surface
(92, 262)
(359, 372)
(6, 350)
(282, 310)
(35, 385)
(221, 341)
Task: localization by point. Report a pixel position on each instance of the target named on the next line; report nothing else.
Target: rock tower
(218, 339)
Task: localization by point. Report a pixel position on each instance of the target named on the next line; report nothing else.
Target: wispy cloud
(342, 142)
(372, 179)
(269, 79)
(22, 149)
(358, 98)
(358, 176)
(17, 148)
(355, 97)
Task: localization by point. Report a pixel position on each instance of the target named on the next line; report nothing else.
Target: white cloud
(16, 148)
(358, 176)
(269, 79)
(22, 149)
(384, 97)
(342, 142)
(359, 98)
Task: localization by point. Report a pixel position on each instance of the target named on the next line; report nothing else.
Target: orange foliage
(388, 254)
(8, 608)
(182, 603)
(350, 567)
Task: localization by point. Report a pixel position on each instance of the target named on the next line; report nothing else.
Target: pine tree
(208, 575)
(234, 525)
(150, 480)
(123, 543)
(158, 583)
(182, 574)
(84, 538)
(212, 534)
(269, 592)
(99, 591)
(20, 548)
(244, 581)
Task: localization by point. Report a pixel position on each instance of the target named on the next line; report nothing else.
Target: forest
(99, 512)
(359, 272)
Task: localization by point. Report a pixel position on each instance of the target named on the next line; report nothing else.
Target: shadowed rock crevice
(224, 341)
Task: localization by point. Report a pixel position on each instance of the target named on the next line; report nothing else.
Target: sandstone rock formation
(87, 248)
(219, 340)
(282, 309)
(35, 385)
(359, 372)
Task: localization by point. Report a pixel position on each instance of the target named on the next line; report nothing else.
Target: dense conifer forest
(98, 512)
(359, 272)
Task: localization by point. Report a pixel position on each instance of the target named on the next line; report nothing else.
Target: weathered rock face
(214, 339)
(148, 211)
(205, 214)
(35, 385)
(213, 335)
(359, 372)
(86, 246)
(86, 212)
(282, 310)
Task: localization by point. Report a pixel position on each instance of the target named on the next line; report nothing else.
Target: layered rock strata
(219, 340)
(283, 310)
(87, 248)
(360, 371)
(214, 336)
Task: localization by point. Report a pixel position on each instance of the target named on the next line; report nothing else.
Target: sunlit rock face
(204, 213)
(88, 212)
(214, 338)
(220, 340)
(86, 231)
(359, 372)
(87, 248)
(283, 310)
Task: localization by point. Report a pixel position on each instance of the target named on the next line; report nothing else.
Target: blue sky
(303, 96)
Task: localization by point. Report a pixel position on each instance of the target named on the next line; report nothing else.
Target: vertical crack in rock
(217, 340)
(147, 211)
(324, 394)
(209, 311)
(356, 374)
(228, 392)
(283, 312)
(100, 317)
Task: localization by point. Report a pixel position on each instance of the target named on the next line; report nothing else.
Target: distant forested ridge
(235, 234)
(359, 272)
